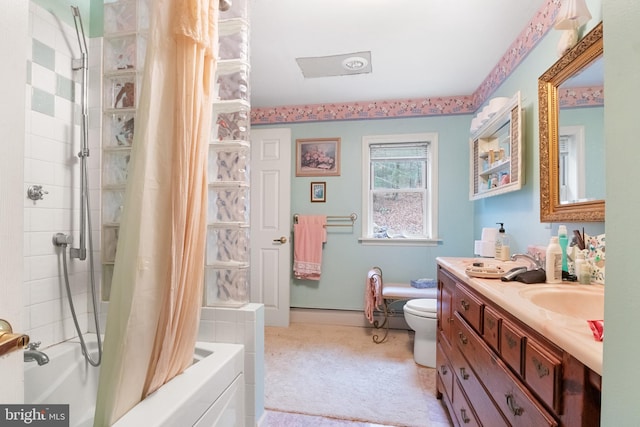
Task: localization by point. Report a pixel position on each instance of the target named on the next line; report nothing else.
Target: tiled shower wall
(52, 143)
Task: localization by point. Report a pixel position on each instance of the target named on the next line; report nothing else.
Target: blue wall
(345, 260)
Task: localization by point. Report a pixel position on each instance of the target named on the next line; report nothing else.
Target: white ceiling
(419, 48)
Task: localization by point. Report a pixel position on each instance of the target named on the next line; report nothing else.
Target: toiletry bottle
(502, 244)
(582, 269)
(563, 240)
(553, 262)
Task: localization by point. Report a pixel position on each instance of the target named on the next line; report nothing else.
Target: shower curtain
(157, 283)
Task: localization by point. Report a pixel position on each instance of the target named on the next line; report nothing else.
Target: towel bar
(351, 218)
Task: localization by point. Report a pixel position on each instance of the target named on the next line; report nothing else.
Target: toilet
(420, 315)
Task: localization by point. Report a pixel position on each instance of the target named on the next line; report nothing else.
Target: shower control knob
(35, 192)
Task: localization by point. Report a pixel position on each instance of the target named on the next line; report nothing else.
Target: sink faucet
(533, 259)
(32, 354)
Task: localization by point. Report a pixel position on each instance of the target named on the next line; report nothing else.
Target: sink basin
(582, 303)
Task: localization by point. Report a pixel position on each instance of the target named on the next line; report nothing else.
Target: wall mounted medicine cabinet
(496, 152)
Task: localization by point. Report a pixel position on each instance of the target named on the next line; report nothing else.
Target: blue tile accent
(44, 55)
(43, 102)
(65, 88)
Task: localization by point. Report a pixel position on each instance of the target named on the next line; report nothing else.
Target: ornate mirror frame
(576, 59)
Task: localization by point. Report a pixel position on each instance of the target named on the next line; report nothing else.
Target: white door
(271, 222)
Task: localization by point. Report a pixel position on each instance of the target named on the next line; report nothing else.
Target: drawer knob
(463, 374)
(464, 304)
(511, 403)
(463, 338)
(463, 415)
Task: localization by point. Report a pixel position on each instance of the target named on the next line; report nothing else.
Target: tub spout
(31, 354)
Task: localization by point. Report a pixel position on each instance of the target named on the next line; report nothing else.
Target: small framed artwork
(319, 192)
(318, 157)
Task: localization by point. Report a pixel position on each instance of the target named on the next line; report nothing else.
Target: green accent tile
(65, 88)
(43, 102)
(44, 55)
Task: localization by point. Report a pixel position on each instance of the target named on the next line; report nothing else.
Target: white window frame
(431, 221)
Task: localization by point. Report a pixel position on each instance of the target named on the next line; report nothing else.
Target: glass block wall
(126, 24)
(227, 260)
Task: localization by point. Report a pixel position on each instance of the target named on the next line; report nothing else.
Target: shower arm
(81, 252)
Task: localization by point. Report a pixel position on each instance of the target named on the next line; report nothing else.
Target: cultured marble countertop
(571, 334)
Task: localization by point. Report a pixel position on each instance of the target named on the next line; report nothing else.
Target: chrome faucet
(533, 259)
(31, 354)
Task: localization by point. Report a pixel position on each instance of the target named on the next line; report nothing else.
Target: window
(399, 200)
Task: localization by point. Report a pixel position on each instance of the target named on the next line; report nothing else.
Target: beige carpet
(337, 371)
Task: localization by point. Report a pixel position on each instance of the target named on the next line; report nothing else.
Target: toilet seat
(422, 307)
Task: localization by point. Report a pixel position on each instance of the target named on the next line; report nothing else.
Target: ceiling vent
(335, 65)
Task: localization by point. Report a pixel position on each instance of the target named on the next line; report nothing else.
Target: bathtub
(208, 393)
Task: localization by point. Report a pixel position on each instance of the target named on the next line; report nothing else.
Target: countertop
(571, 334)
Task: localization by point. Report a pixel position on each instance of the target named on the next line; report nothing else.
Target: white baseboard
(343, 318)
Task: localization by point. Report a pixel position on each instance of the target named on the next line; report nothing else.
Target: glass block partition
(126, 24)
(227, 259)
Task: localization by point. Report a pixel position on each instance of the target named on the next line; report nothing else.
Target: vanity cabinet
(496, 153)
(494, 370)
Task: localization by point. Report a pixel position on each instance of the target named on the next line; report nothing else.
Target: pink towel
(373, 293)
(308, 236)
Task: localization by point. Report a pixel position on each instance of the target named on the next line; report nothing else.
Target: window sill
(370, 241)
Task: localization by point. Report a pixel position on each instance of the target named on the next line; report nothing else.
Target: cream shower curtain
(156, 293)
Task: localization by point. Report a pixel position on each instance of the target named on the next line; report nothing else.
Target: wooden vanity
(496, 369)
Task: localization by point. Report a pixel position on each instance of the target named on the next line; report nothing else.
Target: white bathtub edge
(222, 367)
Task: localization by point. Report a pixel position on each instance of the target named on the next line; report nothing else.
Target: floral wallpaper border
(581, 97)
(526, 41)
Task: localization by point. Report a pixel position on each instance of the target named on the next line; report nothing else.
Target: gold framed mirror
(554, 205)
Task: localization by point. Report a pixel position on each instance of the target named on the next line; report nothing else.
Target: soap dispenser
(563, 241)
(502, 244)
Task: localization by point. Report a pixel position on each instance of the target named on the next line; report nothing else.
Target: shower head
(82, 41)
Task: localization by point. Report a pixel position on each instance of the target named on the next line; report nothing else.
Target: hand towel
(597, 328)
(308, 236)
(373, 293)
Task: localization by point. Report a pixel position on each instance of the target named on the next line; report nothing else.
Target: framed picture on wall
(319, 192)
(318, 157)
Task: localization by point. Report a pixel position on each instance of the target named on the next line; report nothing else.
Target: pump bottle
(502, 244)
(553, 263)
(563, 240)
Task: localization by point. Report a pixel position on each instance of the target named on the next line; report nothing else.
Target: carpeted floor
(338, 372)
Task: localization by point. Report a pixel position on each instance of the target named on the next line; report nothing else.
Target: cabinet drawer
(543, 374)
(512, 341)
(518, 406)
(469, 307)
(446, 289)
(462, 409)
(487, 412)
(445, 371)
(491, 328)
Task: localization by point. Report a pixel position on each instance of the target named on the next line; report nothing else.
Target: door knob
(281, 240)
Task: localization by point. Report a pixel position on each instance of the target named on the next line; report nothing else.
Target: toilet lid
(425, 305)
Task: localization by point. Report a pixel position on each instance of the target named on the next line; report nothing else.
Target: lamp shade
(572, 15)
